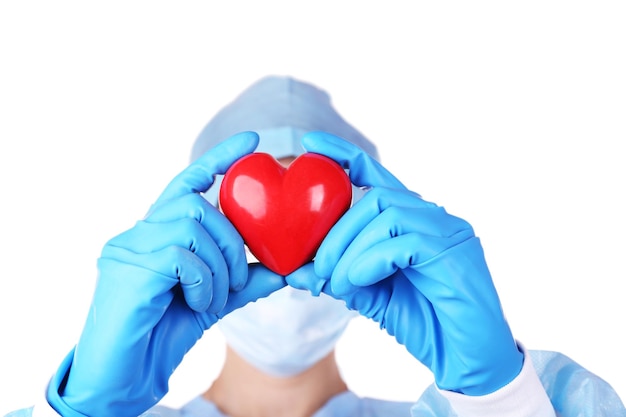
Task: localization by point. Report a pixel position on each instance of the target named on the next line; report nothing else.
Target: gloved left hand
(160, 285)
(419, 272)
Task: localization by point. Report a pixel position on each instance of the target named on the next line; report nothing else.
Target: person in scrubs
(393, 257)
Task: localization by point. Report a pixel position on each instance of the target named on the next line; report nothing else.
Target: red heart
(283, 214)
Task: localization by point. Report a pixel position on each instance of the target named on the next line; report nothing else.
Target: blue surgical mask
(288, 332)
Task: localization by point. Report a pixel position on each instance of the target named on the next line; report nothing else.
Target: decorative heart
(283, 214)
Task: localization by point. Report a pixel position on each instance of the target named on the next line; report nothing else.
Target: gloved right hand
(160, 285)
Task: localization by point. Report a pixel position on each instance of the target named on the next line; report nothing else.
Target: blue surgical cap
(280, 109)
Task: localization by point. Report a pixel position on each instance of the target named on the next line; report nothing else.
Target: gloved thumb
(199, 176)
(365, 171)
(261, 283)
(304, 278)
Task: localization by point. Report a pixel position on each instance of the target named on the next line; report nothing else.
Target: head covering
(280, 109)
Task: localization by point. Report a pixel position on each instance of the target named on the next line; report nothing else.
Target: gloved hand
(160, 285)
(419, 272)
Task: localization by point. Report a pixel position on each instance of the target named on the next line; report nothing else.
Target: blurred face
(289, 331)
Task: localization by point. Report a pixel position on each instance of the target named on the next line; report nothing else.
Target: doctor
(395, 258)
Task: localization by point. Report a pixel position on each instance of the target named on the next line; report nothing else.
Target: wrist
(504, 365)
(524, 396)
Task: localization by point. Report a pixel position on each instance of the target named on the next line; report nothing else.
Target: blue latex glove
(419, 272)
(160, 285)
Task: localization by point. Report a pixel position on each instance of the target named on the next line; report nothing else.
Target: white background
(512, 115)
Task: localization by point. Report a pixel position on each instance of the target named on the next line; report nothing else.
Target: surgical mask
(287, 332)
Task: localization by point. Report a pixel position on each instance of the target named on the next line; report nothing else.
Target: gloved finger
(146, 237)
(305, 278)
(218, 227)
(385, 302)
(199, 176)
(261, 283)
(403, 311)
(186, 236)
(364, 170)
(180, 265)
(384, 258)
(432, 231)
(354, 221)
